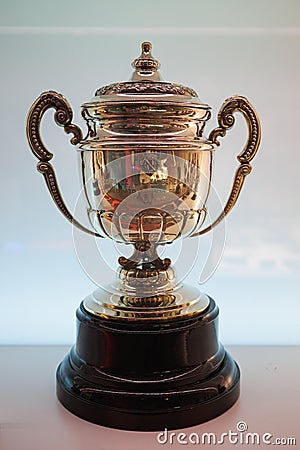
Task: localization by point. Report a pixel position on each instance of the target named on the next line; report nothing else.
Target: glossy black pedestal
(147, 376)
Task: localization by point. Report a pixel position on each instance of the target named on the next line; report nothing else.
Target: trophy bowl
(147, 353)
(141, 196)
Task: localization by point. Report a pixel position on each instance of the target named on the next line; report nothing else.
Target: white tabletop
(31, 418)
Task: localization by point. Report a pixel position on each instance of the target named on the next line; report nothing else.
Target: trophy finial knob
(146, 65)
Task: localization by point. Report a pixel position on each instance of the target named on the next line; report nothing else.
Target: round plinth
(146, 376)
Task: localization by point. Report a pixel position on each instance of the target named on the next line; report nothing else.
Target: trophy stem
(145, 257)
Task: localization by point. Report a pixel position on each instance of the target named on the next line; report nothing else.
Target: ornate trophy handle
(226, 121)
(63, 117)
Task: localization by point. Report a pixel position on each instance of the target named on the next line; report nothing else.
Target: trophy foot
(147, 376)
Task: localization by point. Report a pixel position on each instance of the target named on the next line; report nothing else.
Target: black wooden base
(147, 376)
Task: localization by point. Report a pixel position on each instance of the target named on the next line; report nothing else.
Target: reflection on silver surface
(153, 196)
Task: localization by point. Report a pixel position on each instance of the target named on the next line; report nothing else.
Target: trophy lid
(145, 112)
(145, 83)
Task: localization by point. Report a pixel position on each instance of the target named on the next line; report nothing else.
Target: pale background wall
(219, 48)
